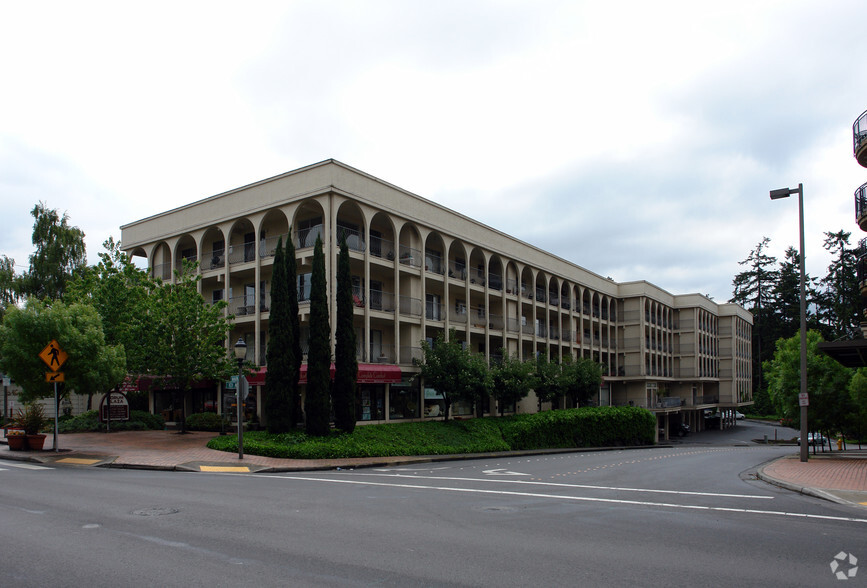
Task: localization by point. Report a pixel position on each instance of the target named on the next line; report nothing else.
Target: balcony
(354, 239)
(861, 207)
(410, 256)
(859, 139)
(861, 266)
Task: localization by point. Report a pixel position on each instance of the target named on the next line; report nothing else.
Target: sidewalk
(838, 476)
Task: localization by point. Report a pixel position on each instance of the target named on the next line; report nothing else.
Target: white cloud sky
(636, 139)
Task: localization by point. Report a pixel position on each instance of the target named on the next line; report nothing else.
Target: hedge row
(139, 420)
(581, 427)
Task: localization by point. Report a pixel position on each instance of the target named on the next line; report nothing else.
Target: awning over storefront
(368, 373)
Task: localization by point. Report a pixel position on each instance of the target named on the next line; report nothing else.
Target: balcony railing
(242, 305)
(457, 270)
(409, 306)
(162, 271)
(433, 263)
(859, 137)
(380, 300)
(410, 354)
(242, 252)
(861, 203)
(382, 353)
(268, 246)
(434, 311)
(409, 256)
(382, 248)
(214, 259)
(307, 237)
(495, 281)
(354, 239)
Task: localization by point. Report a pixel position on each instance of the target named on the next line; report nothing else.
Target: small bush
(88, 422)
(205, 421)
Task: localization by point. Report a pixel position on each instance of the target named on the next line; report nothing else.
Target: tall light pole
(802, 399)
(240, 354)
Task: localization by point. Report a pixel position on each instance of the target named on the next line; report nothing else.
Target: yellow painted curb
(224, 469)
(78, 460)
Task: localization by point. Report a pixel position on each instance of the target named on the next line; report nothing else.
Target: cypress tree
(294, 357)
(318, 402)
(278, 409)
(346, 364)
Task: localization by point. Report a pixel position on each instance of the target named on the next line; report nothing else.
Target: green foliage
(120, 292)
(60, 253)
(583, 427)
(581, 380)
(31, 418)
(453, 371)
(88, 422)
(602, 426)
(345, 362)
(318, 401)
(187, 336)
(858, 390)
(8, 284)
(281, 374)
(93, 366)
(827, 384)
(206, 421)
(512, 379)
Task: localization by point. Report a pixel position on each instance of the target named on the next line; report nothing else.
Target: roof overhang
(851, 354)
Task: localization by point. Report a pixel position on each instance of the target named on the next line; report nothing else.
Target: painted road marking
(497, 472)
(78, 460)
(583, 486)
(750, 511)
(25, 466)
(230, 469)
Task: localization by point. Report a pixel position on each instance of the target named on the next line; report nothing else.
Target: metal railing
(409, 256)
(354, 239)
(409, 306)
(382, 248)
(268, 245)
(380, 300)
(243, 252)
(859, 132)
(433, 263)
(214, 259)
(307, 237)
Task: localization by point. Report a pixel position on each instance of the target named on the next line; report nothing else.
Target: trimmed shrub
(205, 421)
(580, 427)
(88, 422)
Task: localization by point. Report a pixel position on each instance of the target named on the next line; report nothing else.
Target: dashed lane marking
(24, 466)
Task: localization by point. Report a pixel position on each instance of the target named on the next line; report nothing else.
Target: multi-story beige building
(420, 269)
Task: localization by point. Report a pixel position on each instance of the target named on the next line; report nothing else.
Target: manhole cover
(154, 512)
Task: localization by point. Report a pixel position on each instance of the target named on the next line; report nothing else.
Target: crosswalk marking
(25, 466)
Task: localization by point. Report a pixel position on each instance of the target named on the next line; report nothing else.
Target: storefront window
(434, 403)
(403, 400)
(370, 405)
(462, 408)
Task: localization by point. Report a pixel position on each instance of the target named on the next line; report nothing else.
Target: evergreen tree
(318, 403)
(345, 362)
(294, 358)
(281, 372)
(752, 290)
(841, 298)
(785, 304)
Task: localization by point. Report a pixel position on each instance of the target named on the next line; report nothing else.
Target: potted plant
(32, 419)
(16, 438)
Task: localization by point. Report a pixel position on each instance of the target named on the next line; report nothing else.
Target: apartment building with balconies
(419, 270)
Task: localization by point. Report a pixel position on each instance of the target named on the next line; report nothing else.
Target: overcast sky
(636, 139)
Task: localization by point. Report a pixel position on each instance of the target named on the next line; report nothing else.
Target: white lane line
(562, 497)
(25, 466)
(584, 486)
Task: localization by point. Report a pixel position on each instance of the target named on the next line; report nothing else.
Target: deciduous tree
(60, 253)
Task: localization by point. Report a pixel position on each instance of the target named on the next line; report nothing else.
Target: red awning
(368, 373)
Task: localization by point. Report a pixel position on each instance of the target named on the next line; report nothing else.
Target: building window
(403, 400)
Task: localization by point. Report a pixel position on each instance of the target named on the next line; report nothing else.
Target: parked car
(739, 415)
(814, 439)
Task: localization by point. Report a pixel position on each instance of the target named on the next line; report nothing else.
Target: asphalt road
(688, 515)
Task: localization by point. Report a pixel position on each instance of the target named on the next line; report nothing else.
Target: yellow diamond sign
(53, 355)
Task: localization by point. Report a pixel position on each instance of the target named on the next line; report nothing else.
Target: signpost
(114, 406)
(54, 357)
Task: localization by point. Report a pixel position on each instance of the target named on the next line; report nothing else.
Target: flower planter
(35, 442)
(16, 439)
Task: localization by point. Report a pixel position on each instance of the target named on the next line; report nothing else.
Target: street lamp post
(785, 193)
(240, 354)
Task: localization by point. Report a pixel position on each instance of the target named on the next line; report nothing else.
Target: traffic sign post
(54, 357)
